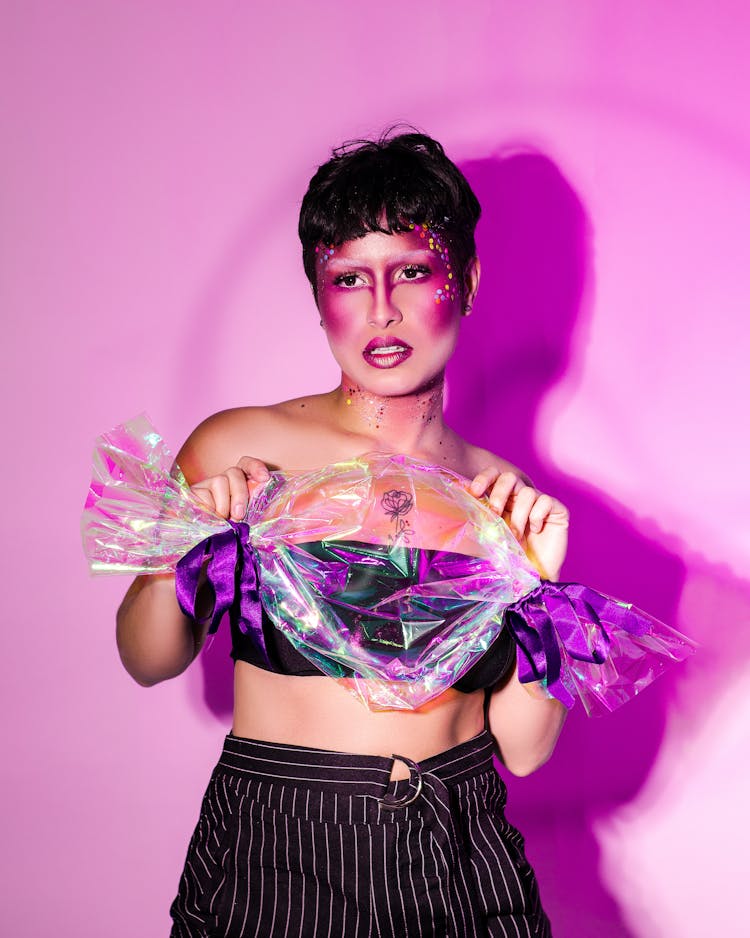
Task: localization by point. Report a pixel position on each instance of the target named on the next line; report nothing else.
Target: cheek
(440, 318)
(338, 310)
(336, 327)
(444, 331)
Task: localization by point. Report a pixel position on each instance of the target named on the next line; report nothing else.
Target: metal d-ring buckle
(414, 770)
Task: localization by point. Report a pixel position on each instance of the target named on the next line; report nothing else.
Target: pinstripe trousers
(305, 842)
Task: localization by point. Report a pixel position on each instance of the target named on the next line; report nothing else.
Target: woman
(310, 825)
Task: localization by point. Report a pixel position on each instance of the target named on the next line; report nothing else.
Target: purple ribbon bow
(569, 616)
(231, 567)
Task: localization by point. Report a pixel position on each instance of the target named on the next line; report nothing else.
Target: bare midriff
(320, 713)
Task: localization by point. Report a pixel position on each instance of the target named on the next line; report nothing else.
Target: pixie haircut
(384, 185)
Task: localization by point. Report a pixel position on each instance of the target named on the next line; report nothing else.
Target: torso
(316, 711)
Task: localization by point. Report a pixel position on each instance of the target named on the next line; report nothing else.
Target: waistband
(349, 773)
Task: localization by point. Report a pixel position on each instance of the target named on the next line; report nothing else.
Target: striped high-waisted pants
(307, 842)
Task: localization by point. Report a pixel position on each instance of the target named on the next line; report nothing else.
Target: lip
(386, 351)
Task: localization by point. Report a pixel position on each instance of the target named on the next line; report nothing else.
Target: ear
(471, 281)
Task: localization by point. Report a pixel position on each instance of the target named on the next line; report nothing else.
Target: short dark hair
(384, 185)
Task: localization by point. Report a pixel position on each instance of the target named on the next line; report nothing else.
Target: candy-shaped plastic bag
(388, 574)
(383, 571)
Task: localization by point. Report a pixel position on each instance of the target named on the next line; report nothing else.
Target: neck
(407, 423)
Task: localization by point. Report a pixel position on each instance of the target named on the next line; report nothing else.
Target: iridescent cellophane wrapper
(415, 573)
(383, 571)
(140, 516)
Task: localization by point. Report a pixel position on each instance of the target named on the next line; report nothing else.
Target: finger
(523, 502)
(219, 486)
(482, 481)
(254, 469)
(238, 491)
(204, 495)
(540, 512)
(507, 483)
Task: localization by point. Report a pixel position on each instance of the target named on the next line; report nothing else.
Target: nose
(383, 312)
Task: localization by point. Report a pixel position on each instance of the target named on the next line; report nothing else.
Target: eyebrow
(417, 253)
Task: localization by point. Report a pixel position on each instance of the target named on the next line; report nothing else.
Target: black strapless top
(365, 586)
(495, 664)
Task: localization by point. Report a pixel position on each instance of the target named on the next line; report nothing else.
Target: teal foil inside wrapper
(383, 571)
(396, 622)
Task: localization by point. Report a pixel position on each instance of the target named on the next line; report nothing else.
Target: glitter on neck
(378, 412)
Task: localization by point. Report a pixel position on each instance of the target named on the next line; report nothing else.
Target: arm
(526, 727)
(155, 640)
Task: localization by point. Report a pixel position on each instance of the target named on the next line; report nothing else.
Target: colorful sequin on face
(435, 242)
(324, 252)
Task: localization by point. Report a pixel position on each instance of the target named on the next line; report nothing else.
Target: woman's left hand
(538, 521)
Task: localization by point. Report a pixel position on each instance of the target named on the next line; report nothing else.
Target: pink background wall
(153, 161)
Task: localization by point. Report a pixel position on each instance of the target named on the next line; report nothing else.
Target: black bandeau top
(375, 572)
(492, 667)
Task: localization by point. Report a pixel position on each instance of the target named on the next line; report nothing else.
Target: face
(391, 307)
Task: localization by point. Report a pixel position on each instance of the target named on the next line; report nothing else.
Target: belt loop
(415, 779)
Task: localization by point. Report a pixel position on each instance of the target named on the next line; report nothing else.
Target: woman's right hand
(229, 492)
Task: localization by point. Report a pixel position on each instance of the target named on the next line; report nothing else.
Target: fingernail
(265, 474)
(238, 510)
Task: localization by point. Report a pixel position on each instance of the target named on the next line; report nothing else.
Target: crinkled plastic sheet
(140, 516)
(414, 574)
(385, 572)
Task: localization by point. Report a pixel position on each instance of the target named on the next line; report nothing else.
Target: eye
(415, 272)
(347, 280)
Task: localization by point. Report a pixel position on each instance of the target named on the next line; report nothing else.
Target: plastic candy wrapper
(383, 571)
(140, 516)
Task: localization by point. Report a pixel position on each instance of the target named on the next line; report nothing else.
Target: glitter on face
(436, 244)
(324, 252)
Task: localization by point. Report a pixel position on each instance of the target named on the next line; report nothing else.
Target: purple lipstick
(386, 352)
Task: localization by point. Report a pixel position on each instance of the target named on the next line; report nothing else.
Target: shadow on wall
(535, 244)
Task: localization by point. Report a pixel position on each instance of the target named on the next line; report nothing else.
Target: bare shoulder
(223, 438)
(478, 459)
(264, 432)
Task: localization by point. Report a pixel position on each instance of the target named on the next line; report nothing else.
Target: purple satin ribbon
(231, 571)
(571, 616)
